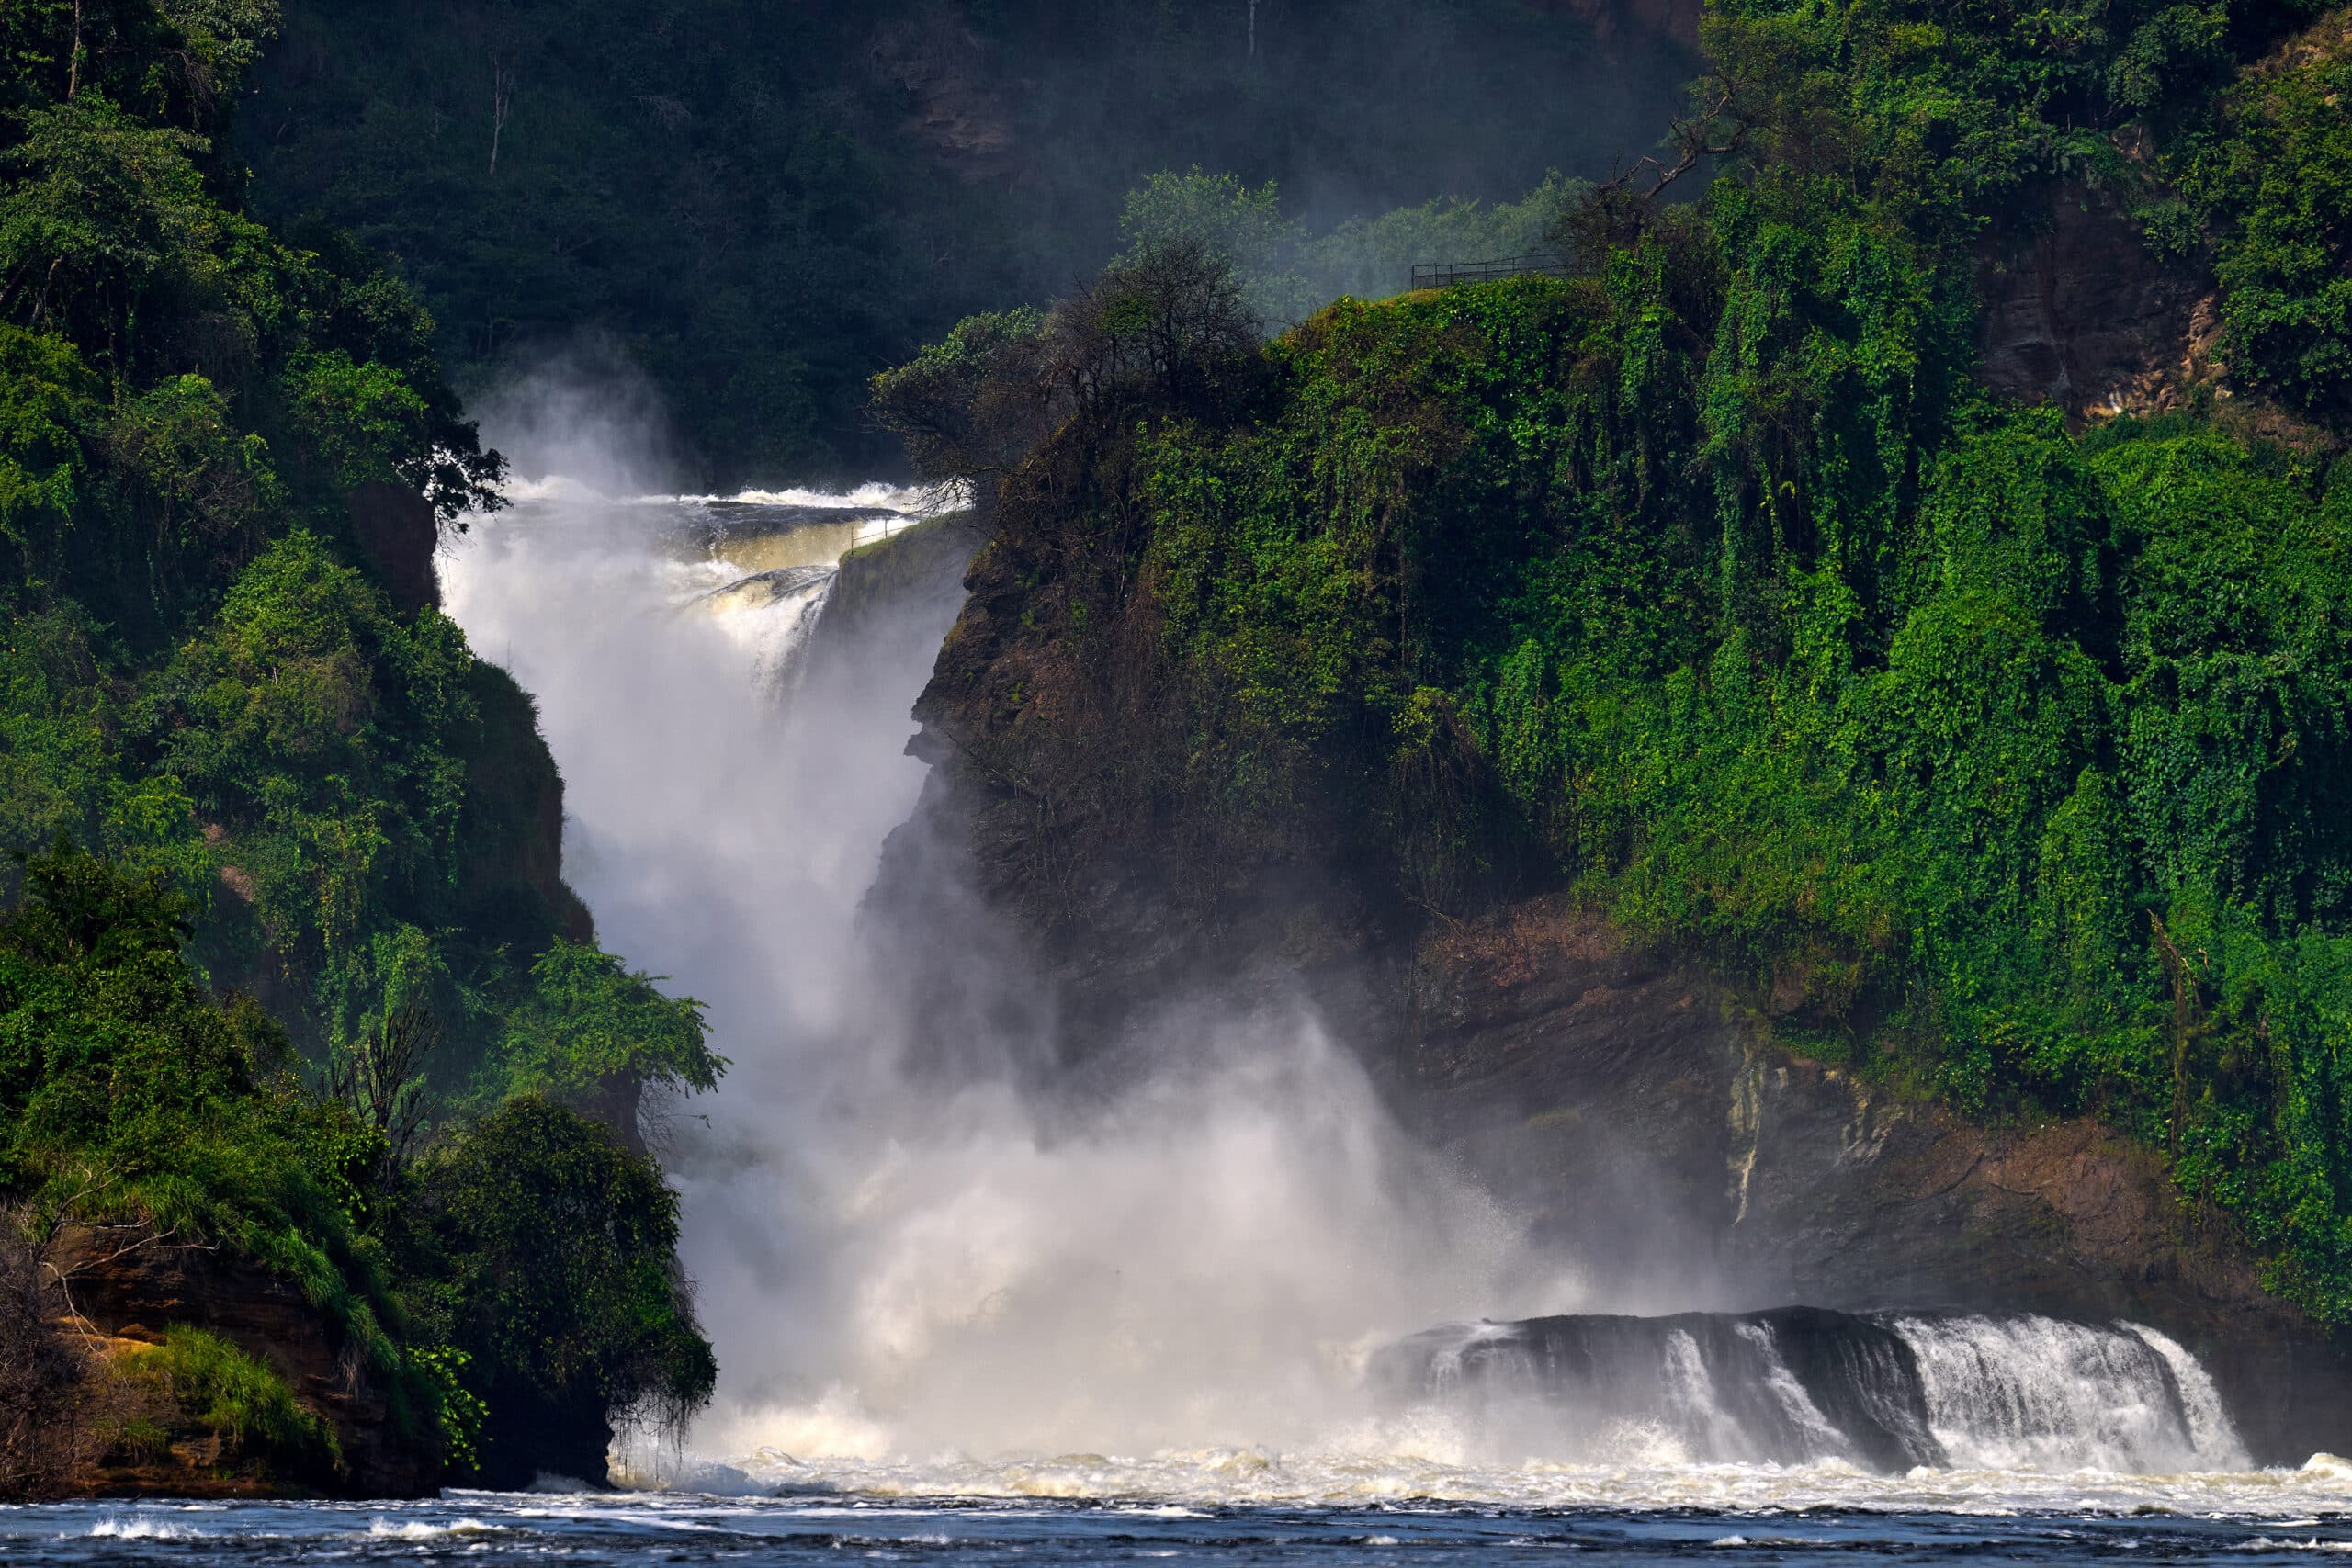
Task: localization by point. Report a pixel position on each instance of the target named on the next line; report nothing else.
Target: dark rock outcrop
(513, 885)
(2078, 312)
(397, 534)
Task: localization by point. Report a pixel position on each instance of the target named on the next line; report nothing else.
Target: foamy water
(1391, 1468)
(670, 1527)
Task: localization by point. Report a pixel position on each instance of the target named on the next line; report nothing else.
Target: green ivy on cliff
(2276, 175)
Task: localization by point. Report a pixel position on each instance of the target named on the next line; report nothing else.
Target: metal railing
(1445, 275)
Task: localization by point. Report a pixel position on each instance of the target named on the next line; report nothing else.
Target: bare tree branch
(502, 99)
(1692, 142)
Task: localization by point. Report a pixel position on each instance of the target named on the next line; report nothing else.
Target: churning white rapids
(1219, 1286)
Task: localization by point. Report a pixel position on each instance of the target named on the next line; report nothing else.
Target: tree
(971, 406)
(558, 1248)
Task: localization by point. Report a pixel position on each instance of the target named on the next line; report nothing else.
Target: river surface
(2252, 1519)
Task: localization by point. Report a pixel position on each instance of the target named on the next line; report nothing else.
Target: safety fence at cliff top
(1445, 275)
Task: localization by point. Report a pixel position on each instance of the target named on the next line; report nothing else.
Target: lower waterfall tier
(1885, 1391)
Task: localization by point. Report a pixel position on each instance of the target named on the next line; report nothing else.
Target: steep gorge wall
(1640, 1110)
(1633, 1105)
(1635, 1111)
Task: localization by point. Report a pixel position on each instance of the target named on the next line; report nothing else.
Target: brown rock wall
(2082, 315)
(123, 1291)
(1642, 1112)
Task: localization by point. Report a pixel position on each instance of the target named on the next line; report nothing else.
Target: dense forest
(758, 205)
(289, 978)
(1989, 729)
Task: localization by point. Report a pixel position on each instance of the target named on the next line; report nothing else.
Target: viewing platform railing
(1445, 275)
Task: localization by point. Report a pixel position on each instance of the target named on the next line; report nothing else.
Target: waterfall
(759, 567)
(890, 1257)
(891, 1265)
(2026, 1391)
(772, 614)
(1886, 1392)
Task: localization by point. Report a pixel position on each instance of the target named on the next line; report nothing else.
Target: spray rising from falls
(922, 1282)
(893, 1259)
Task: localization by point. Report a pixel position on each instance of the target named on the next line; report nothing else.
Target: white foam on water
(1402, 1470)
(897, 498)
(383, 1529)
(143, 1526)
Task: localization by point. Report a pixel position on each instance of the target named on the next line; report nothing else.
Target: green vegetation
(237, 1399)
(283, 928)
(2276, 175)
(132, 1095)
(1287, 272)
(553, 1253)
(2003, 762)
(525, 1259)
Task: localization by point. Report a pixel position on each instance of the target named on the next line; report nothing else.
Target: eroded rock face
(2082, 315)
(124, 1292)
(1640, 1111)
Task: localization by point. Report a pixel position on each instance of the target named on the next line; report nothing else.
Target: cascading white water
(1820, 1438)
(2212, 1436)
(1893, 1392)
(887, 1262)
(2022, 1391)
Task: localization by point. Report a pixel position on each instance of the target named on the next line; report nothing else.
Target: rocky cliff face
(1634, 1104)
(1643, 1113)
(2078, 312)
(121, 1290)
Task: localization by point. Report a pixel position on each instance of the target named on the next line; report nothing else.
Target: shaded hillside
(763, 205)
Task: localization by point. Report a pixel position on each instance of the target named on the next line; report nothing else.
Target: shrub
(239, 1400)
